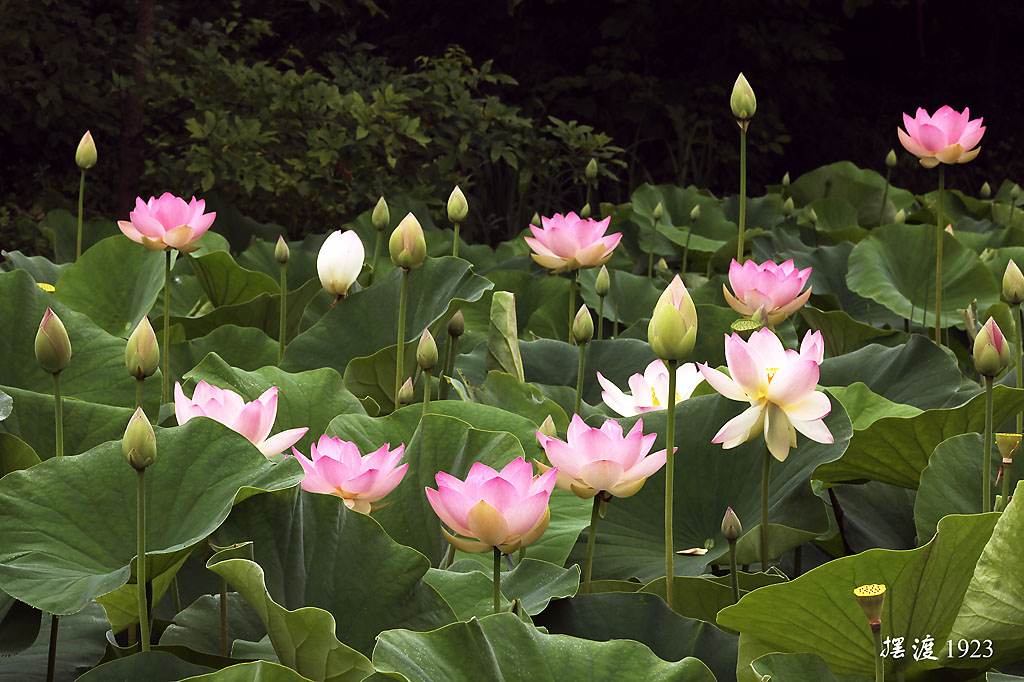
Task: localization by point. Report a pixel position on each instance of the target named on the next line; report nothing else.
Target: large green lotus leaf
(896, 449)
(531, 292)
(800, 668)
(225, 282)
(122, 605)
(631, 538)
(261, 671)
(59, 566)
(152, 666)
(42, 269)
(842, 334)
(61, 228)
(502, 647)
(19, 625)
(877, 515)
(259, 256)
(367, 320)
(917, 373)
(993, 608)
(833, 214)
(689, 240)
(702, 597)
(197, 626)
(311, 399)
(15, 454)
(502, 336)
(892, 267)
(647, 619)
(535, 583)
(470, 594)
(507, 392)
(557, 363)
(951, 483)
(80, 646)
(867, 407)
(115, 283)
(96, 373)
(997, 259)
(374, 376)
(859, 186)
(246, 348)
(817, 612)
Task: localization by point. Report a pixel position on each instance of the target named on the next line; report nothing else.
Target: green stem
(1017, 320)
(175, 594)
(51, 655)
(591, 537)
(223, 617)
(449, 362)
(81, 200)
(938, 257)
(402, 300)
(579, 378)
(885, 195)
(455, 242)
(449, 555)
(426, 391)
(58, 414)
(670, 424)
(733, 573)
(798, 555)
(139, 384)
(141, 564)
(167, 328)
(686, 250)
(572, 301)
(650, 251)
(765, 479)
(743, 190)
(876, 633)
(986, 504)
(600, 318)
(284, 313)
(521, 555)
(376, 255)
(497, 580)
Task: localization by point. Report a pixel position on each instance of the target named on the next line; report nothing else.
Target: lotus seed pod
(1007, 444)
(871, 598)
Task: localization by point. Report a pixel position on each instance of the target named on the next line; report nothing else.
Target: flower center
(771, 373)
(657, 403)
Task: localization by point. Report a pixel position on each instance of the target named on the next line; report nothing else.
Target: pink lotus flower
(167, 223)
(779, 384)
(947, 136)
(650, 389)
(253, 420)
(507, 510)
(594, 460)
(338, 469)
(769, 291)
(571, 243)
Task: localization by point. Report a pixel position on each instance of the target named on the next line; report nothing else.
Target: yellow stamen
(771, 373)
(657, 403)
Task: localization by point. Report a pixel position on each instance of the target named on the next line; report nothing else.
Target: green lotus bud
(1013, 283)
(871, 598)
(695, 213)
(547, 427)
(673, 328)
(970, 319)
(53, 347)
(457, 325)
(405, 394)
(583, 325)
(139, 442)
(788, 207)
(742, 101)
(535, 220)
(381, 216)
(1015, 192)
(986, 191)
(732, 529)
(785, 179)
(458, 208)
(900, 217)
(85, 155)
(585, 211)
(281, 251)
(661, 264)
(591, 170)
(603, 282)
(890, 158)
(407, 245)
(812, 216)
(659, 211)
(142, 353)
(991, 350)
(426, 352)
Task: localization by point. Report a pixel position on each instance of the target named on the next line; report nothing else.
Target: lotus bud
(340, 261)
(53, 347)
(85, 155)
(281, 251)
(673, 328)
(900, 217)
(970, 320)
(785, 179)
(142, 354)
(991, 351)
(1013, 283)
(812, 215)
(695, 213)
(407, 245)
(661, 264)
(381, 217)
(585, 211)
(603, 282)
(732, 529)
(659, 211)
(535, 220)
(591, 170)
(871, 599)
(583, 326)
(890, 158)
(1015, 192)
(1007, 444)
(788, 207)
(139, 442)
(547, 427)
(457, 325)
(405, 394)
(986, 191)
(458, 208)
(742, 101)
(426, 352)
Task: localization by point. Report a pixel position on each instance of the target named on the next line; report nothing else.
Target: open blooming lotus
(769, 291)
(948, 136)
(506, 509)
(253, 420)
(779, 384)
(594, 460)
(167, 223)
(339, 261)
(571, 243)
(338, 469)
(650, 389)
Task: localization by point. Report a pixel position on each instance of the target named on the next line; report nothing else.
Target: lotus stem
(572, 302)
(765, 480)
(521, 555)
(167, 328)
(449, 555)
(426, 391)
(876, 633)
(986, 502)
(58, 415)
(223, 617)
(600, 318)
(141, 563)
(579, 378)
(591, 538)
(670, 423)
(798, 555)
(497, 580)
(885, 195)
(284, 313)
(81, 201)
(376, 256)
(938, 257)
(732, 572)
(175, 594)
(139, 384)
(650, 251)
(455, 242)
(448, 368)
(743, 191)
(51, 654)
(1017, 315)
(686, 249)
(402, 300)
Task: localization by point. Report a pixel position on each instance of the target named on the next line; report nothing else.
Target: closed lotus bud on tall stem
(456, 328)
(991, 357)
(139, 448)
(986, 191)
(743, 104)
(458, 209)
(602, 285)
(405, 393)
(582, 333)
(732, 530)
(381, 219)
(426, 357)
(85, 158)
(53, 352)
(890, 163)
(281, 254)
(408, 251)
(142, 355)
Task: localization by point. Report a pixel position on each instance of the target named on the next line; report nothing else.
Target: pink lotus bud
(407, 245)
(673, 328)
(52, 345)
(991, 351)
(1013, 283)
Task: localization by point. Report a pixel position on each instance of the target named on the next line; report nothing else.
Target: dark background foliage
(302, 112)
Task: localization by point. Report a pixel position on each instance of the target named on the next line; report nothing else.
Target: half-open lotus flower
(947, 136)
(571, 243)
(593, 460)
(769, 291)
(167, 223)
(779, 384)
(253, 420)
(337, 468)
(650, 389)
(506, 509)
